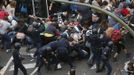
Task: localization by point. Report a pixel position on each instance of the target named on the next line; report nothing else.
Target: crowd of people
(71, 32)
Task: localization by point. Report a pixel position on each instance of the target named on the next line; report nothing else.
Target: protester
(11, 8)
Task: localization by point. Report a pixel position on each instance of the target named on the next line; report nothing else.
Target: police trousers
(21, 67)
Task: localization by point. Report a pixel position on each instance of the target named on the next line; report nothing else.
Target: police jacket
(53, 45)
(17, 59)
(63, 43)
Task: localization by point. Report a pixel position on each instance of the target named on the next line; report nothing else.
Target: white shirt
(12, 21)
(14, 24)
(86, 1)
(3, 26)
(95, 3)
(10, 10)
(108, 7)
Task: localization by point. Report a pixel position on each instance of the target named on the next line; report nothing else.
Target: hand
(132, 71)
(120, 42)
(46, 62)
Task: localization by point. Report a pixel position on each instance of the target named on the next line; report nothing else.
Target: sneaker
(59, 66)
(8, 50)
(93, 67)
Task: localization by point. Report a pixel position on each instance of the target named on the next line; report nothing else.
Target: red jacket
(3, 14)
(125, 12)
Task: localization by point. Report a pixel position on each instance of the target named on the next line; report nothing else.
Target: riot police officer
(107, 47)
(42, 55)
(63, 51)
(17, 59)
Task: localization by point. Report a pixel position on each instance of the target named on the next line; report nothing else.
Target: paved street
(81, 66)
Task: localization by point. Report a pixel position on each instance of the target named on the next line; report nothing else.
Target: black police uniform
(94, 39)
(63, 51)
(62, 54)
(18, 61)
(42, 54)
(107, 46)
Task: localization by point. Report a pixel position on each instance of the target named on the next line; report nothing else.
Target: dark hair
(122, 0)
(2, 2)
(104, 24)
(105, 3)
(130, 64)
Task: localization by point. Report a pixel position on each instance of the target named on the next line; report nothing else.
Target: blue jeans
(6, 41)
